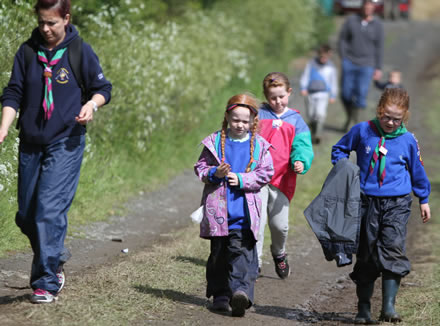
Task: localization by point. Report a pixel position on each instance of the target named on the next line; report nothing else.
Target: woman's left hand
(86, 114)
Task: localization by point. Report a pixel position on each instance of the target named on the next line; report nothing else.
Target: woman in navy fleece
(391, 167)
(52, 137)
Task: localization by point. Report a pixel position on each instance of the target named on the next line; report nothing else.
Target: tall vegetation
(167, 59)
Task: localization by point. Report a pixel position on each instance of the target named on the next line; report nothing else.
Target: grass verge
(419, 300)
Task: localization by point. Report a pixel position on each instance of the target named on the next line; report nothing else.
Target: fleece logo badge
(367, 149)
(62, 76)
(276, 124)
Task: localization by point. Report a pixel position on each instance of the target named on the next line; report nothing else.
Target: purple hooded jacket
(215, 213)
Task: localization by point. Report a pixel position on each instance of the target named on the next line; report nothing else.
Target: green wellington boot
(364, 293)
(390, 287)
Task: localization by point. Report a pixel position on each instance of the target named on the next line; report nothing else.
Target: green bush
(165, 74)
(16, 24)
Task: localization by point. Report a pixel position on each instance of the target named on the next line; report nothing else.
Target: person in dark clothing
(360, 47)
(52, 126)
(391, 167)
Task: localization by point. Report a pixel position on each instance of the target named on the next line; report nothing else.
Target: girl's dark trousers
(382, 246)
(232, 265)
(47, 180)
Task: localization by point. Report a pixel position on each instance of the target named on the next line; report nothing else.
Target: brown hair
(62, 6)
(394, 96)
(247, 100)
(275, 79)
(324, 48)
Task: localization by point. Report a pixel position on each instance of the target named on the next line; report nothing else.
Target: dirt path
(317, 292)
(151, 217)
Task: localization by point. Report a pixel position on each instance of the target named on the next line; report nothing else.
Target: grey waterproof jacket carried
(334, 215)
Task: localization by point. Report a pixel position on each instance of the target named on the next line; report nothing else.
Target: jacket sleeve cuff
(211, 176)
(424, 200)
(107, 95)
(240, 180)
(10, 103)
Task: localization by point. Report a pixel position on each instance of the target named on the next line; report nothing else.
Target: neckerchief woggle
(380, 151)
(48, 105)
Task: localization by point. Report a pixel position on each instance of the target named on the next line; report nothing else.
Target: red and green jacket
(291, 141)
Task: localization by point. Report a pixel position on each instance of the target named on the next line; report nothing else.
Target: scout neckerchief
(48, 97)
(380, 151)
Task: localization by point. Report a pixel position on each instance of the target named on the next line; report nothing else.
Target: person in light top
(319, 86)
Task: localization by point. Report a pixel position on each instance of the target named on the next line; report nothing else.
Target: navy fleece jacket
(25, 91)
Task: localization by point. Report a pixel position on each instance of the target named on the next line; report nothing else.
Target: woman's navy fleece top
(25, 91)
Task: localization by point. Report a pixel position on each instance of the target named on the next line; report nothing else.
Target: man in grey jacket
(360, 47)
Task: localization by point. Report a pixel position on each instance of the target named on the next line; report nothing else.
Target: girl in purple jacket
(234, 164)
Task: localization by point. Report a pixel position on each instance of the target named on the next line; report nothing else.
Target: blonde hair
(394, 96)
(250, 102)
(275, 79)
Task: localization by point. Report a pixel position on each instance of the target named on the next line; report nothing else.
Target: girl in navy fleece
(391, 167)
(52, 137)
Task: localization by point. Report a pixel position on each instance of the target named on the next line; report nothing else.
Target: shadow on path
(295, 314)
(172, 295)
(8, 299)
(192, 260)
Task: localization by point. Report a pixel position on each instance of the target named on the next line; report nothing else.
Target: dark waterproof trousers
(47, 180)
(232, 265)
(382, 238)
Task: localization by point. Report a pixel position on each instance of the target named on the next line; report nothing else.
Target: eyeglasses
(394, 121)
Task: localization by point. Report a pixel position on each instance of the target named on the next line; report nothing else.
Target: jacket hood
(290, 112)
(37, 40)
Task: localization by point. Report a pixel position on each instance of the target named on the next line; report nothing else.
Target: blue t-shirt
(237, 156)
